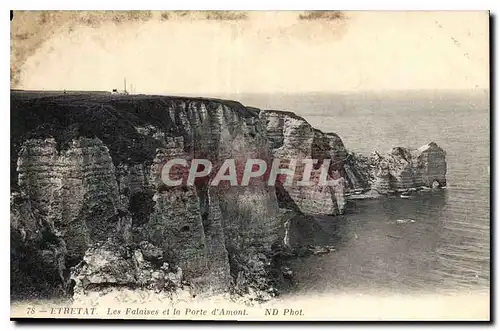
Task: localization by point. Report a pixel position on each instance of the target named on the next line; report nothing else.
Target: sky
(269, 52)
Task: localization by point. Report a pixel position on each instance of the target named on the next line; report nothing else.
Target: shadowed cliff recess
(90, 213)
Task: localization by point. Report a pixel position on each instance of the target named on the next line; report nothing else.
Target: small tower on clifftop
(116, 91)
(125, 85)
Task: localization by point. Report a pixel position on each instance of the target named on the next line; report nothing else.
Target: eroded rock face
(37, 251)
(403, 169)
(110, 266)
(75, 190)
(93, 169)
(293, 139)
(430, 162)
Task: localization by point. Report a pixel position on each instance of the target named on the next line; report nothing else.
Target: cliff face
(90, 209)
(292, 138)
(37, 262)
(75, 190)
(91, 166)
(401, 169)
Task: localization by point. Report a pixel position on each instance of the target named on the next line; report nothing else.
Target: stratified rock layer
(402, 169)
(294, 140)
(75, 189)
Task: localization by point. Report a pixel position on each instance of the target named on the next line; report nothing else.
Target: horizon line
(479, 90)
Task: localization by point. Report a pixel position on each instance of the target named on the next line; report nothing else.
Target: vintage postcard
(250, 166)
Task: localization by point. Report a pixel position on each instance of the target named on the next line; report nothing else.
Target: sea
(445, 248)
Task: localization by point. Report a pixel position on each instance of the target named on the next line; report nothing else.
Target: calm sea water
(447, 248)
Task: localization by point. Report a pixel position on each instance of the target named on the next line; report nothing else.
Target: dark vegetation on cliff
(33, 249)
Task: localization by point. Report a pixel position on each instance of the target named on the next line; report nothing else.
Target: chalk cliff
(90, 166)
(90, 211)
(292, 138)
(400, 170)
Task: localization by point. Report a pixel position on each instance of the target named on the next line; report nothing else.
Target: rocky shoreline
(90, 215)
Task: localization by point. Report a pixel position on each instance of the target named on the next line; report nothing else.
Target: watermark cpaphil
(244, 172)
